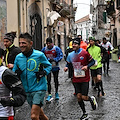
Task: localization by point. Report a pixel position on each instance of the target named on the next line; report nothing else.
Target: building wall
(3, 21)
(18, 16)
(115, 26)
(20, 11)
(84, 29)
(12, 17)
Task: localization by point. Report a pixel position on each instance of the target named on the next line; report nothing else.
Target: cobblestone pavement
(67, 107)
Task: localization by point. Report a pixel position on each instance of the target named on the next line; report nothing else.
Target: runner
(108, 46)
(83, 45)
(11, 50)
(81, 61)
(9, 82)
(54, 55)
(31, 66)
(96, 70)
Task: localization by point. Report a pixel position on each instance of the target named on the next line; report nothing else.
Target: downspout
(43, 17)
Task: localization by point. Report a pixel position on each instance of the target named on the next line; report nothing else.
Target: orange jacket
(83, 45)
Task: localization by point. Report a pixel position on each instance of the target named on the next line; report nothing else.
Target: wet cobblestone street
(67, 107)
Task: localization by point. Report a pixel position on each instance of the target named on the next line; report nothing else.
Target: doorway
(36, 30)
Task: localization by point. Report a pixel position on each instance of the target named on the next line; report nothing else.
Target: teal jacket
(30, 65)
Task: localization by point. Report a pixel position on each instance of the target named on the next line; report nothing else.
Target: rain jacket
(29, 66)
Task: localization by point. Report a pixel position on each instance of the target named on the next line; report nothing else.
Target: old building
(84, 27)
(42, 19)
(100, 22)
(113, 12)
(62, 33)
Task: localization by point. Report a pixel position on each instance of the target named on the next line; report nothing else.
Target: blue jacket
(30, 65)
(57, 59)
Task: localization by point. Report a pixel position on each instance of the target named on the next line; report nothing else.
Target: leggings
(55, 76)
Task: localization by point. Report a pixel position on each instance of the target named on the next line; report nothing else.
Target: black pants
(104, 65)
(55, 76)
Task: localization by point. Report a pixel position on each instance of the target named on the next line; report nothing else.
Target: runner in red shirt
(81, 61)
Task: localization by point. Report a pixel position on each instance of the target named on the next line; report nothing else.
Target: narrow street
(67, 107)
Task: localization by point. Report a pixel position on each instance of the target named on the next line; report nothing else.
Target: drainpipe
(43, 17)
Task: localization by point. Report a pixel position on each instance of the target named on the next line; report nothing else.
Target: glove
(7, 101)
(51, 60)
(40, 74)
(19, 72)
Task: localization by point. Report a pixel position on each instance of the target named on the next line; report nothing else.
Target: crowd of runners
(25, 73)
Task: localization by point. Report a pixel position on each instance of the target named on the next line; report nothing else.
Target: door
(115, 37)
(36, 31)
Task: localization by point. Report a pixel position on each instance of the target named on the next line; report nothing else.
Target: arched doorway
(36, 30)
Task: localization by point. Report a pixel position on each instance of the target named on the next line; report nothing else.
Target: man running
(54, 55)
(96, 70)
(108, 46)
(81, 61)
(9, 82)
(31, 66)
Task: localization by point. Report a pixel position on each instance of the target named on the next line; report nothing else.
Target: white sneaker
(93, 103)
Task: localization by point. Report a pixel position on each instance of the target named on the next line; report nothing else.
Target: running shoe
(56, 96)
(84, 116)
(93, 103)
(49, 98)
(103, 93)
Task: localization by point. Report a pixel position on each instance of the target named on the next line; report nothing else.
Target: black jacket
(1, 52)
(13, 51)
(12, 82)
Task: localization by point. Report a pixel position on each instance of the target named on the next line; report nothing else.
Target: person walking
(96, 70)
(54, 55)
(31, 66)
(108, 46)
(9, 82)
(81, 61)
(11, 50)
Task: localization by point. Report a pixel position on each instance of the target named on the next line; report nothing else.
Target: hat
(49, 40)
(70, 44)
(10, 36)
(76, 40)
(92, 38)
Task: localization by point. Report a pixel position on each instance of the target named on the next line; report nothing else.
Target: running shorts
(82, 88)
(36, 98)
(95, 72)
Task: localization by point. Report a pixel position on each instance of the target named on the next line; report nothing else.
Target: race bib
(79, 73)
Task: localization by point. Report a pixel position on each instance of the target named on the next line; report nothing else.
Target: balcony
(110, 8)
(61, 7)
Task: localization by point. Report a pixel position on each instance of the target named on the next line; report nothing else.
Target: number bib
(79, 73)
